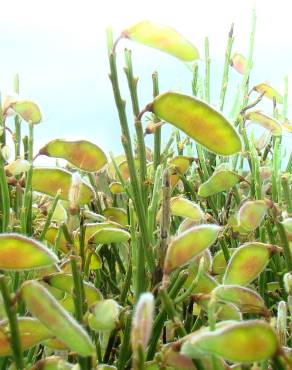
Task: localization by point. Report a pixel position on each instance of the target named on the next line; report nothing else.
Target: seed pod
(245, 299)
(104, 315)
(269, 92)
(109, 235)
(247, 262)
(238, 62)
(163, 38)
(205, 284)
(52, 363)
(219, 263)
(17, 252)
(173, 358)
(65, 283)
(179, 164)
(245, 342)
(81, 153)
(266, 121)
(221, 180)
(124, 169)
(45, 307)
(189, 244)
(142, 321)
(222, 310)
(92, 229)
(51, 235)
(198, 120)
(183, 207)
(55, 344)
(118, 215)
(116, 188)
(251, 214)
(50, 180)
(27, 110)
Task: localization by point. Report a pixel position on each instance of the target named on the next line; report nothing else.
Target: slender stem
(50, 215)
(13, 324)
(5, 197)
(207, 71)
(224, 83)
(285, 245)
(157, 133)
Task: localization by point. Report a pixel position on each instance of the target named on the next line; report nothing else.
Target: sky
(58, 48)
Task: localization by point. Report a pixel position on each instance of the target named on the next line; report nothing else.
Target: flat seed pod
(109, 235)
(219, 263)
(238, 62)
(17, 252)
(247, 262)
(124, 169)
(244, 342)
(269, 92)
(183, 207)
(189, 244)
(116, 188)
(28, 110)
(163, 38)
(179, 164)
(175, 359)
(206, 283)
(92, 229)
(55, 344)
(50, 180)
(118, 215)
(52, 363)
(45, 307)
(51, 235)
(247, 300)
(65, 283)
(199, 121)
(31, 331)
(111, 168)
(266, 121)
(220, 181)
(81, 153)
(251, 214)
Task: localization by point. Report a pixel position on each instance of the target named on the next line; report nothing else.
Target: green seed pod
(247, 262)
(282, 322)
(109, 235)
(176, 360)
(199, 121)
(92, 229)
(245, 299)
(178, 165)
(269, 92)
(52, 363)
(50, 180)
(189, 244)
(142, 322)
(163, 38)
(205, 284)
(27, 110)
(117, 215)
(116, 188)
(52, 315)
(219, 263)
(51, 235)
(82, 154)
(221, 180)
(183, 207)
(18, 252)
(245, 342)
(266, 121)
(222, 310)
(104, 315)
(251, 214)
(238, 62)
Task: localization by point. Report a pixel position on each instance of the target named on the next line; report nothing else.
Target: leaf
(221, 180)
(81, 153)
(238, 62)
(31, 331)
(269, 92)
(45, 307)
(251, 214)
(247, 262)
(244, 342)
(50, 180)
(183, 207)
(199, 121)
(189, 244)
(17, 252)
(109, 235)
(163, 38)
(247, 300)
(266, 121)
(28, 110)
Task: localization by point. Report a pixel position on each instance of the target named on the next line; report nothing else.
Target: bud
(282, 322)
(288, 282)
(142, 321)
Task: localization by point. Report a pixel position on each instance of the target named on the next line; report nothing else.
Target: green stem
(224, 83)
(207, 71)
(50, 215)
(157, 133)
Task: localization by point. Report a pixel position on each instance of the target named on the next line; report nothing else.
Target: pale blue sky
(58, 48)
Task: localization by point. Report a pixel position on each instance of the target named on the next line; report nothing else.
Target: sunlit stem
(207, 71)
(157, 133)
(224, 83)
